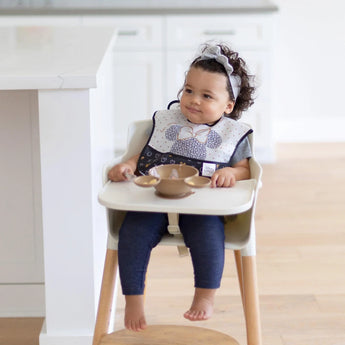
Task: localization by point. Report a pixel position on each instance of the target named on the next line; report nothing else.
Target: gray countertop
(134, 7)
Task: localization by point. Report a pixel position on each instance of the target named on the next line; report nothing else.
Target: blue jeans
(142, 231)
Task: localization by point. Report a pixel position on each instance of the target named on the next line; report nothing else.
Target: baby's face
(205, 97)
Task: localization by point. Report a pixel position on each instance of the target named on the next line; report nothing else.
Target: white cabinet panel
(133, 32)
(138, 89)
(178, 63)
(21, 253)
(248, 31)
(21, 300)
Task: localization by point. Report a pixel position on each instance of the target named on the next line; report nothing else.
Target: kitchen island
(55, 135)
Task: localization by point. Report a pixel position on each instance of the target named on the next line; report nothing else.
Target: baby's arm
(227, 177)
(117, 172)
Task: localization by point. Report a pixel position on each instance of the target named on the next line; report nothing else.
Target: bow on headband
(214, 52)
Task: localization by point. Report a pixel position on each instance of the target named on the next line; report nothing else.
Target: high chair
(116, 197)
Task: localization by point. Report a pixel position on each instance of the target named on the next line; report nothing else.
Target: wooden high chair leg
(238, 260)
(251, 301)
(106, 295)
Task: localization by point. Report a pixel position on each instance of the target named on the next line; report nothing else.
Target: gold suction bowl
(198, 181)
(170, 186)
(146, 181)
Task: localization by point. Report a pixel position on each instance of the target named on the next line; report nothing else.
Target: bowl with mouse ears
(173, 180)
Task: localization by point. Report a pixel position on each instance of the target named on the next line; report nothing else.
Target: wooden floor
(300, 257)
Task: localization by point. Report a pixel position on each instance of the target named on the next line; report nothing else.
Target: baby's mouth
(193, 110)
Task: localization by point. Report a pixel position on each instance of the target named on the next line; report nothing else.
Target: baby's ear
(229, 108)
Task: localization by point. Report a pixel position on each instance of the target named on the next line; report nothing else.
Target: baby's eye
(187, 90)
(207, 96)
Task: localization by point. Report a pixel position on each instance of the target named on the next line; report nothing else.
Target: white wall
(309, 71)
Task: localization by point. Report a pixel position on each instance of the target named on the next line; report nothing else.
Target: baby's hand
(118, 172)
(223, 178)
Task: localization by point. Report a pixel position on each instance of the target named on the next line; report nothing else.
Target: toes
(195, 315)
(142, 324)
(136, 325)
(129, 324)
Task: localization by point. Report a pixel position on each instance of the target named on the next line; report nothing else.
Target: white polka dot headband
(214, 52)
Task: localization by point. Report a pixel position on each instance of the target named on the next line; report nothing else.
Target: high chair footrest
(168, 335)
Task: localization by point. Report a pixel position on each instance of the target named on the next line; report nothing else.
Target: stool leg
(106, 296)
(238, 260)
(251, 301)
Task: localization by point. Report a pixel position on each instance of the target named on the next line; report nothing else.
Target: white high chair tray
(127, 196)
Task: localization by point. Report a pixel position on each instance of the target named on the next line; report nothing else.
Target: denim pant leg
(139, 233)
(204, 236)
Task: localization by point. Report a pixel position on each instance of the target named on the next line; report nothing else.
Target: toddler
(200, 130)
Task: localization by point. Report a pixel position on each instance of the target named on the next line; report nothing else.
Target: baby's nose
(195, 99)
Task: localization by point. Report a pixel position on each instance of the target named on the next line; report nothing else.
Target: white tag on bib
(208, 169)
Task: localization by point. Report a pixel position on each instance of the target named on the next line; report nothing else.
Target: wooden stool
(168, 335)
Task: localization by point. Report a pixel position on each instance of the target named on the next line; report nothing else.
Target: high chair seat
(237, 204)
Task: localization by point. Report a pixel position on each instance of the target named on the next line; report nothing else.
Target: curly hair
(246, 95)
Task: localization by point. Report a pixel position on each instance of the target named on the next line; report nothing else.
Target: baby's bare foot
(202, 306)
(134, 313)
